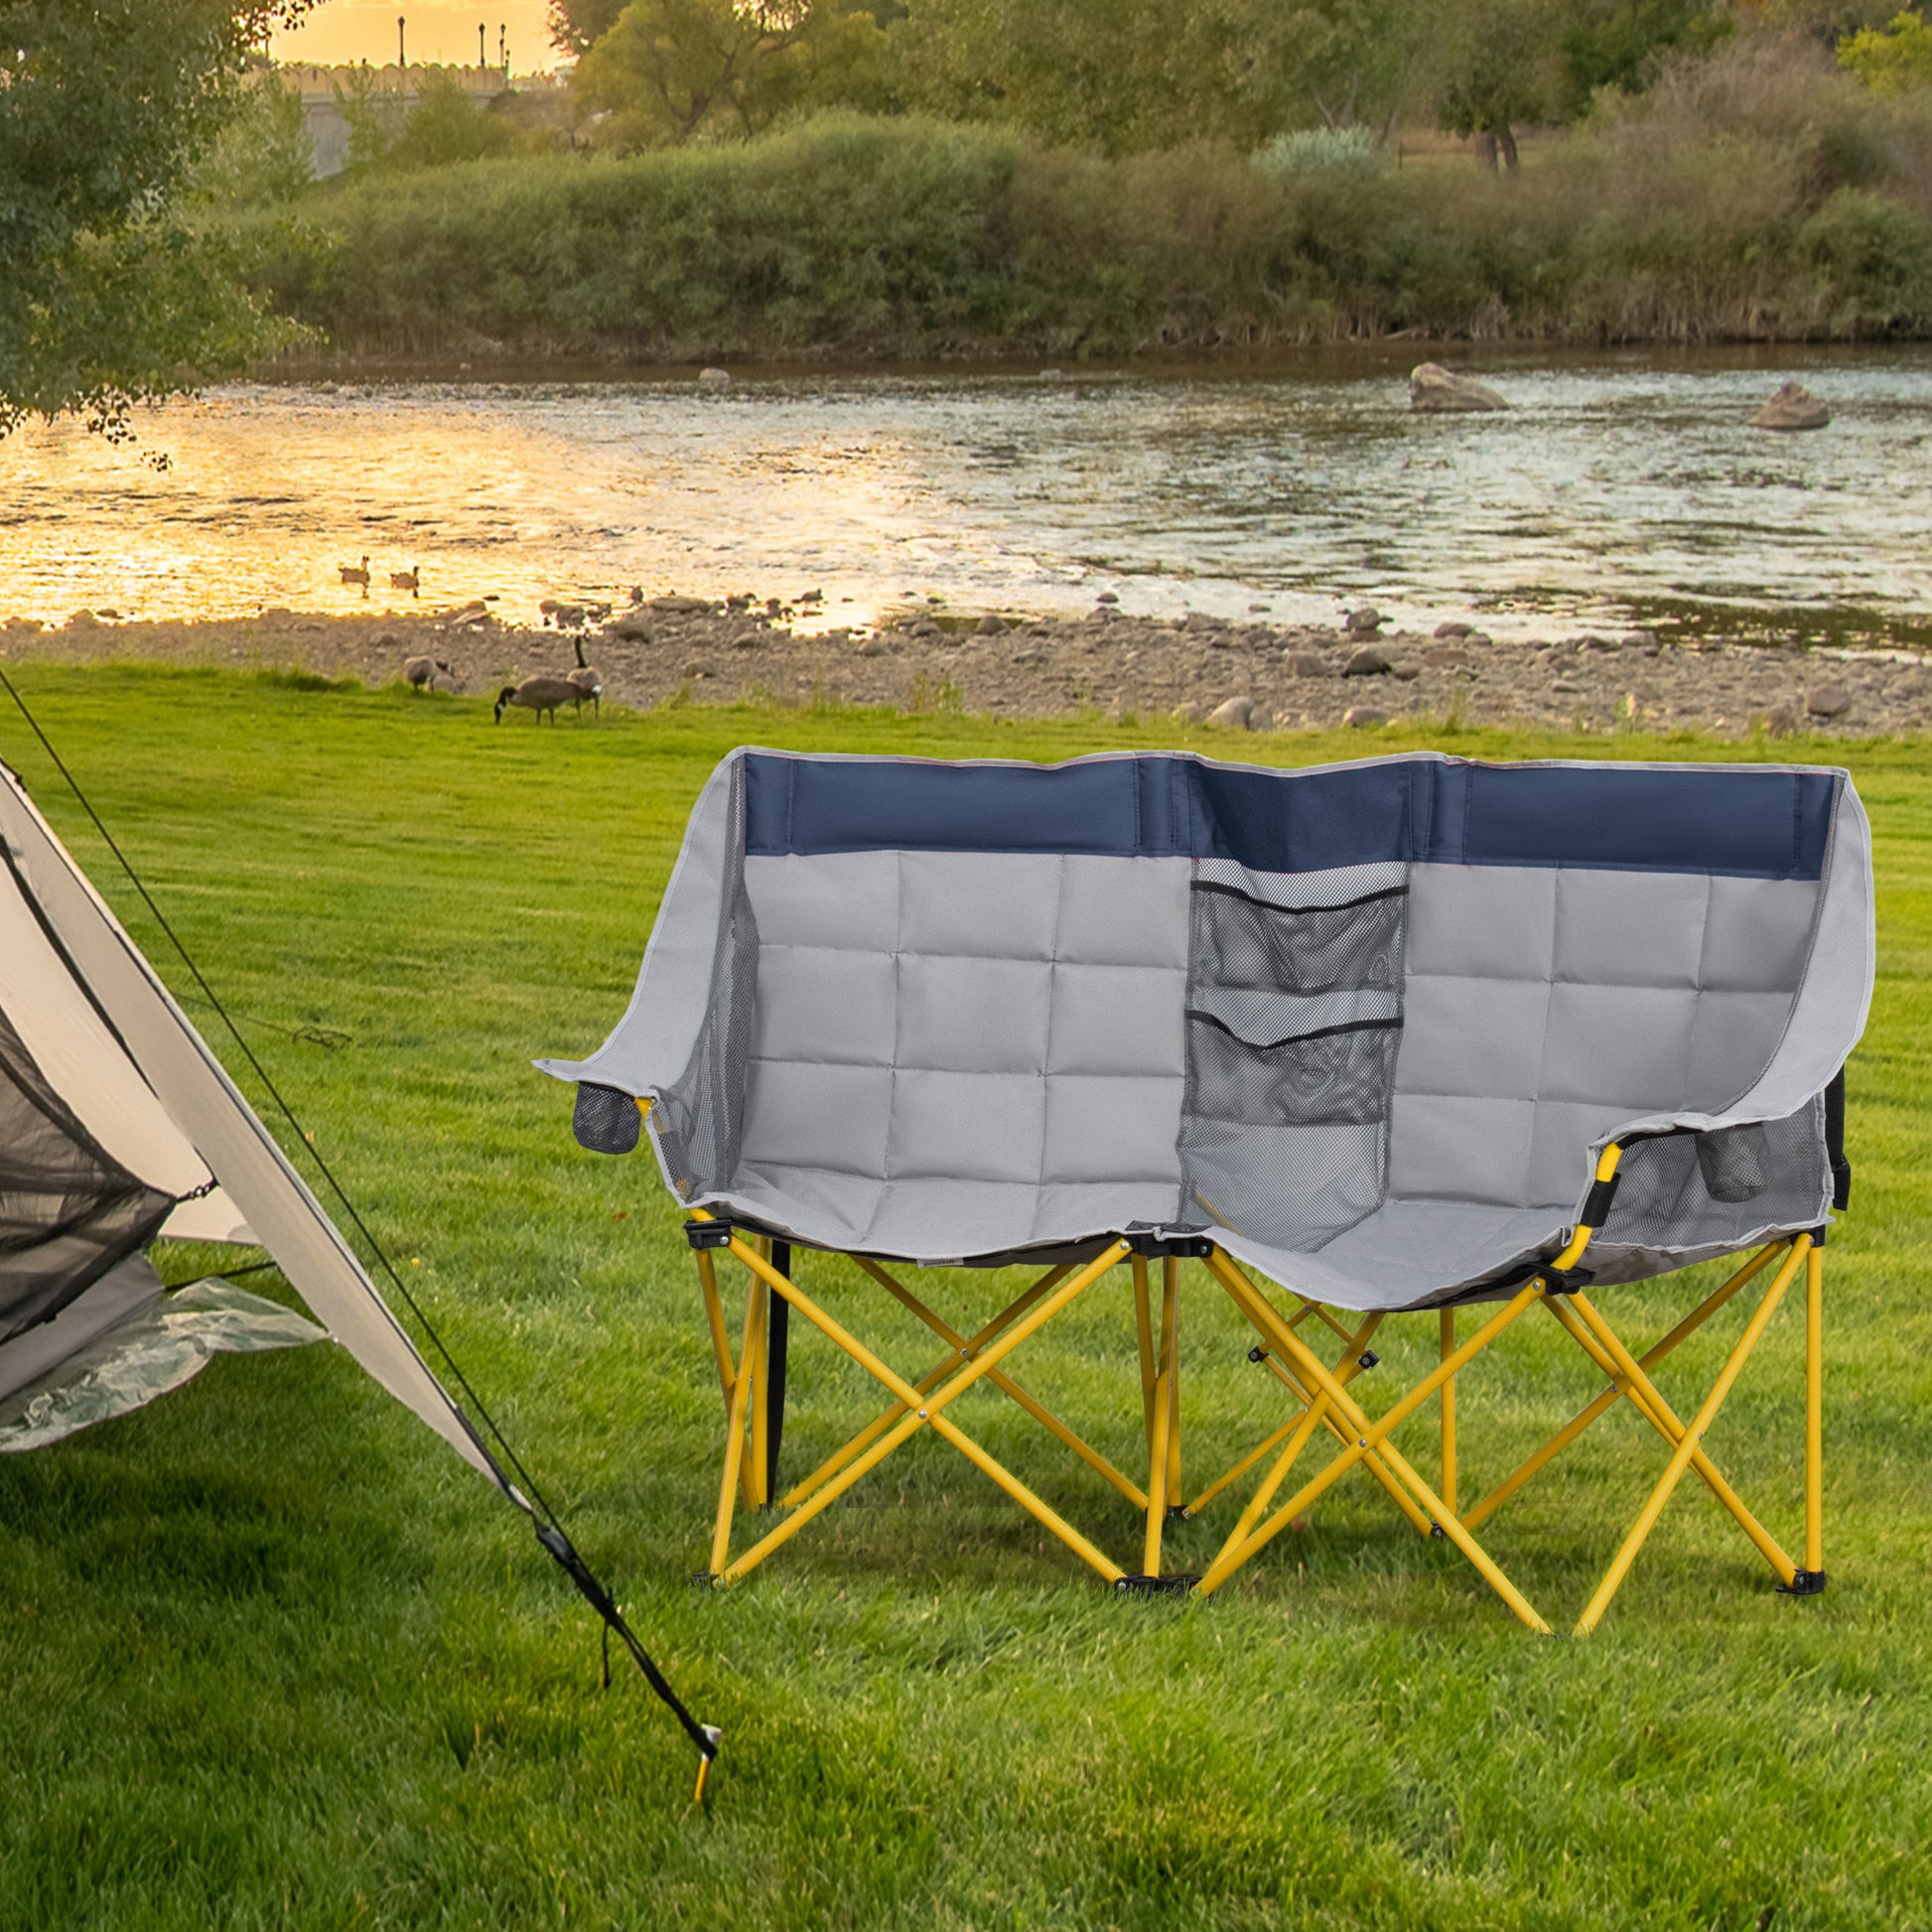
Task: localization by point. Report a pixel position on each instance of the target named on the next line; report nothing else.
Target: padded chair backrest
(954, 1009)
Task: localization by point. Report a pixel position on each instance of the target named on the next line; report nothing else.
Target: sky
(439, 30)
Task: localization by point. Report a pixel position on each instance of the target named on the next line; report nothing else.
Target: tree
(1497, 65)
(112, 295)
(1620, 44)
(667, 70)
(1897, 59)
(1128, 74)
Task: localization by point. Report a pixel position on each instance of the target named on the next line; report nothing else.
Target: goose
(540, 694)
(420, 672)
(355, 573)
(409, 580)
(588, 679)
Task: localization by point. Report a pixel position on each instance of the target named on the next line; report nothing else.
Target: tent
(118, 1126)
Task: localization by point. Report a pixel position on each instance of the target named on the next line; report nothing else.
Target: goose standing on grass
(410, 580)
(539, 694)
(588, 679)
(420, 672)
(355, 573)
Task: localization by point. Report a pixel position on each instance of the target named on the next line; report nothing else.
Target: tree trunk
(1484, 144)
(1506, 140)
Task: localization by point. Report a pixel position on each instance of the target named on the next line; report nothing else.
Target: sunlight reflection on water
(1610, 486)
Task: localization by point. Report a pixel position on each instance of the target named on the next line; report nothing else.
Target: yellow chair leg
(1681, 1456)
(721, 1534)
(1144, 1334)
(1347, 1369)
(1815, 1412)
(1375, 1435)
(1600, 1344)
(919, 1413)
(1170, 1276)
(879, 1424)
(1446, 1326)
(1568, 1434)
(1005, 1384)
(1158, 1451)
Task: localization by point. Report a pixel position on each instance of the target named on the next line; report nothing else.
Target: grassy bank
(271, 1657)
(1805, 216)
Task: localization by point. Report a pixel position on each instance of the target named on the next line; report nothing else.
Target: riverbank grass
(272, 1657)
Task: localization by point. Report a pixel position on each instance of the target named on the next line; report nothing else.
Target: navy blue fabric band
(1735, 820)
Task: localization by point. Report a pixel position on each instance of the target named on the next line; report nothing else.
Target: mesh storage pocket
(1239, 940)
(1294, 1017)
(1695, 1190)
(1335, 1076)
(606, 1119)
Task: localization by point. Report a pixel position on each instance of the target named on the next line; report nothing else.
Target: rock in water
(1364, 623)
(1435, 389)
(714, 378)
(1828, 701)
(1793, 407)
(1235, 714)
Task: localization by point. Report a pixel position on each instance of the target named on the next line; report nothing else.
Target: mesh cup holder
(1736, 1162)
(607, 1119)
(1332, 1077)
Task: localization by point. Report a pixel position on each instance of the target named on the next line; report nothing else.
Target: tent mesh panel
(699, 1121)
(67, 1212)
(1295, 1129)
(1695, 1190)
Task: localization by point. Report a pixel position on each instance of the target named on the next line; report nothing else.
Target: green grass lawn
(270, 1655)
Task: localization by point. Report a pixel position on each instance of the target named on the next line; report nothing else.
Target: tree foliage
(1895, 60)
(111, 295)
(665, 71)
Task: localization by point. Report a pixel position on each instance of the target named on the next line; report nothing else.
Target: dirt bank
(1110, 661)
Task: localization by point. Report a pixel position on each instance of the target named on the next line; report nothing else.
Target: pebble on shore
(1242, 675)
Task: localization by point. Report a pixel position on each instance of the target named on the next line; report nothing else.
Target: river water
(1617, 488)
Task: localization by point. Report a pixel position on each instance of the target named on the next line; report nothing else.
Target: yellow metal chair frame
(1323, 1401)
(1320, 1394)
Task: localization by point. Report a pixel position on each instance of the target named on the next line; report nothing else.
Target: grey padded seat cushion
(1369, 1023)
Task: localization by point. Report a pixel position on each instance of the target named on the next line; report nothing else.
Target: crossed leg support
(915, 1407)
(1323, 1399)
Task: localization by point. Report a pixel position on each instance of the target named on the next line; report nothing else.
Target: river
(1617, 488)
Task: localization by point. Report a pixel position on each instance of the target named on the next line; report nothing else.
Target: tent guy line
(525, 1492)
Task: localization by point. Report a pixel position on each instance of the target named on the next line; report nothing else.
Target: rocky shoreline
(1195, 670)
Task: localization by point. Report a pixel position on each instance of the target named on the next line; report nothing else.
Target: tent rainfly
(118, 1126)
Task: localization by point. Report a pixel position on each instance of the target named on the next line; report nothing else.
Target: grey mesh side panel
(1293, 1011)
(651, 1046)
(1722, 1190)
(698, 1121)
(960, 1051)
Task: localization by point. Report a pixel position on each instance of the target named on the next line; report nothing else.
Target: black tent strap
(528, 1497)
(600, 1600)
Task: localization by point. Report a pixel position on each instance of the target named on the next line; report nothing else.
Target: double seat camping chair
(1412, 1033)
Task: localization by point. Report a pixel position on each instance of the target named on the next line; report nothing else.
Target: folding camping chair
(1414, 1033)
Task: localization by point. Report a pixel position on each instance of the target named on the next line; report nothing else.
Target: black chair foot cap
(1805, 1582)
(1154, 1585)
(705, 1578)
(1176, 1512)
